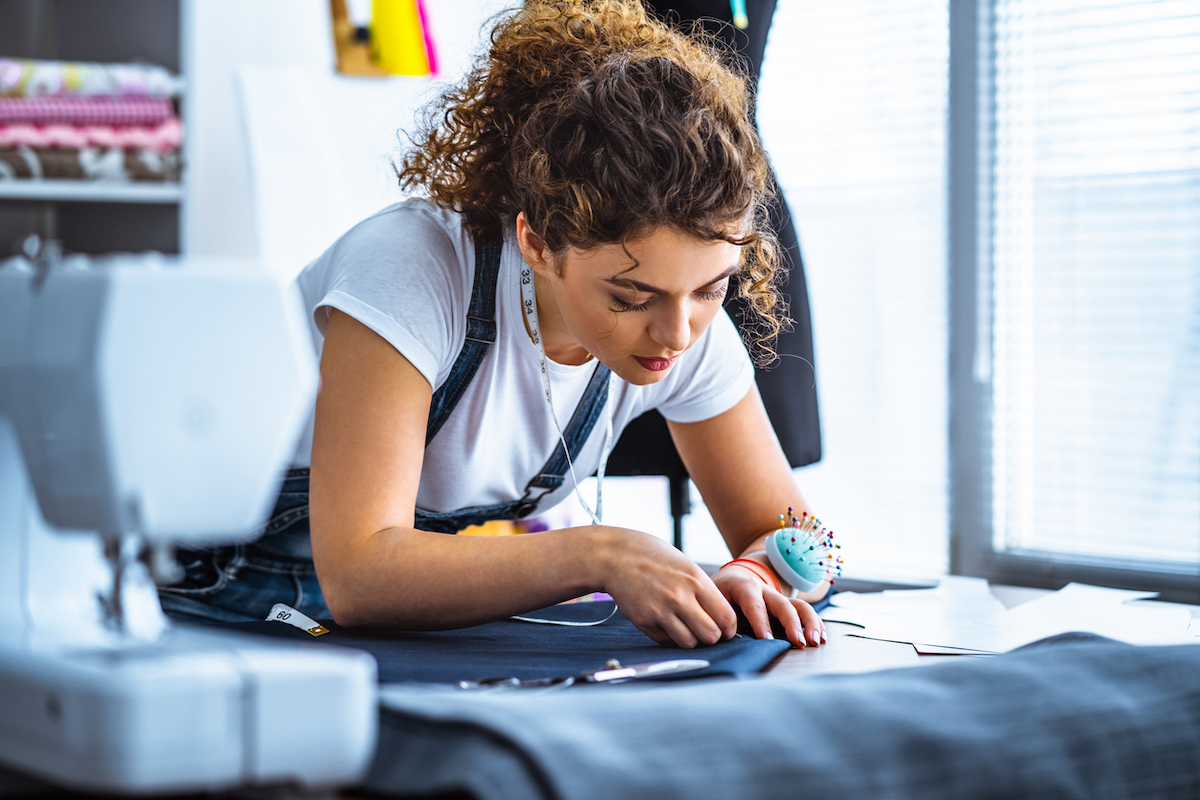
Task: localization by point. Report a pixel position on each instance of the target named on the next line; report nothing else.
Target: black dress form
(788, 387)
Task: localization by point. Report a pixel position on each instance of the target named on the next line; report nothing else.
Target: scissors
(613, 671)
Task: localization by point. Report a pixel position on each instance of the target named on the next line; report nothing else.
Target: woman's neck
(561, 346)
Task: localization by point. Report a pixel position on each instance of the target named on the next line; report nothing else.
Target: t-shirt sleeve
(716, 375)
(401, 274)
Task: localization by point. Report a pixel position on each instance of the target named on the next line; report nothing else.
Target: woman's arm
(376, 568)
(745, 479)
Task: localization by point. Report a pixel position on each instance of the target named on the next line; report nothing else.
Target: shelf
(98, 191)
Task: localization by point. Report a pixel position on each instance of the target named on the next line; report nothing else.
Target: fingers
(782, 609)
(656, 633)
(811, 620)
(666, 595)
(687, 623)
(747, 592)
(696, 626)
(720, 612)
(754, 609)
(800, 623)
(759, 603)
(672, 632)
(704, 619)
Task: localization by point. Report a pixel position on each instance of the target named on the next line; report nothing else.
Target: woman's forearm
(421, 580)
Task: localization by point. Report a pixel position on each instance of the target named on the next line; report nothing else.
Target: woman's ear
(537, 255)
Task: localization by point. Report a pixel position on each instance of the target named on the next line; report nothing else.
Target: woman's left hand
(759, 602)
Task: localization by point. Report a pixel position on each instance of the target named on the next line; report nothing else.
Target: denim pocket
(246, 580)
(243, 582)
(203, 571)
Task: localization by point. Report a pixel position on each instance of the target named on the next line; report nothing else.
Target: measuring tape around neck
(529, 303)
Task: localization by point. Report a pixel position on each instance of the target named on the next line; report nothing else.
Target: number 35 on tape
(285, 613)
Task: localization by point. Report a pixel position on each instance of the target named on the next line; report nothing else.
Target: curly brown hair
(601, 124)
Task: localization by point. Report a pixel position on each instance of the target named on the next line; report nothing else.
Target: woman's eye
(621, 305)
(716, 294)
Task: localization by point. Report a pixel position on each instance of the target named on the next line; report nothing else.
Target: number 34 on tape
(285, 613)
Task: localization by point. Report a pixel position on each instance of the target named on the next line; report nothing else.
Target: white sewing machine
(146, 401)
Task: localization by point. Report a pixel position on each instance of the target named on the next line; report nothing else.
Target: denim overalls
(242, 582)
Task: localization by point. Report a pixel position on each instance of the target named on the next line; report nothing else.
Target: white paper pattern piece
(958, 615)
(935, 650)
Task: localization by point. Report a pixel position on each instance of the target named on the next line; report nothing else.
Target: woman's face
(637, 308)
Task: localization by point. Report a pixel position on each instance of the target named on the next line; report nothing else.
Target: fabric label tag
(281, 612)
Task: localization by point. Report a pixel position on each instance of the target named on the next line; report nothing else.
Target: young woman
(591, 189)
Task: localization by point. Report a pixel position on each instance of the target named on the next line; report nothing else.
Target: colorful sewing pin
(740, 19)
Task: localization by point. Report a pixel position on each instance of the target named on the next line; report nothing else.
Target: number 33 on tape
(285, 613)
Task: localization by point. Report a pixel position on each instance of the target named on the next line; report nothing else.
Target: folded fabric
(164, 136)
(1073, 716)
(509, 648)
(85, 110)
(89, 163)
(23, 77)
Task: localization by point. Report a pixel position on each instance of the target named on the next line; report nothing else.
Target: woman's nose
(671, 328)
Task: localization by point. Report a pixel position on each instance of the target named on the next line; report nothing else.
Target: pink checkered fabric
(85, 110)
(165, 136)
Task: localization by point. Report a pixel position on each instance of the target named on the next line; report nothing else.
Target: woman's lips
(655, 364)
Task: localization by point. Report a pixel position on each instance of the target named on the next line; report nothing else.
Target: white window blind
(1095, 281)
(852, 107)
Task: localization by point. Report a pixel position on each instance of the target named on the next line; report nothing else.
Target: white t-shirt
(407, 272)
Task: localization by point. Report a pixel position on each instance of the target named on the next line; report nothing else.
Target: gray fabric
(1072, 716)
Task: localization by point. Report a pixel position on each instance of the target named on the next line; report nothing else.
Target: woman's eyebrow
(645, 287)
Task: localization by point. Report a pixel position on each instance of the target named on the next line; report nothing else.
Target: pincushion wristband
(804, 554)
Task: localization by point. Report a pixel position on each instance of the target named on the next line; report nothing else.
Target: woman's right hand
(661, 590)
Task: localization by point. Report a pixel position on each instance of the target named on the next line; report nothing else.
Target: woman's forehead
(659, 245)
(659, 260)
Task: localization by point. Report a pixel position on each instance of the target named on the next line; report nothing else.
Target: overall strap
(481, 331)
(552, 475)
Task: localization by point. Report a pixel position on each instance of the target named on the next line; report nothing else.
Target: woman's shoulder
(413, 221)
(405, 272)
(413, 245)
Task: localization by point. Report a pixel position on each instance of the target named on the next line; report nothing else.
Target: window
(1077, 297)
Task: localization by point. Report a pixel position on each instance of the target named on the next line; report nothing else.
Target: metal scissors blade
(617, 672)
(611, 672)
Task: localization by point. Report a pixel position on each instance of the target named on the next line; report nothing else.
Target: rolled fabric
(23, 77)
(101, 110)
(167, 135)
(23, 162)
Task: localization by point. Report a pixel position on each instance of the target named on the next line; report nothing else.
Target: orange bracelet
(774, 580)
